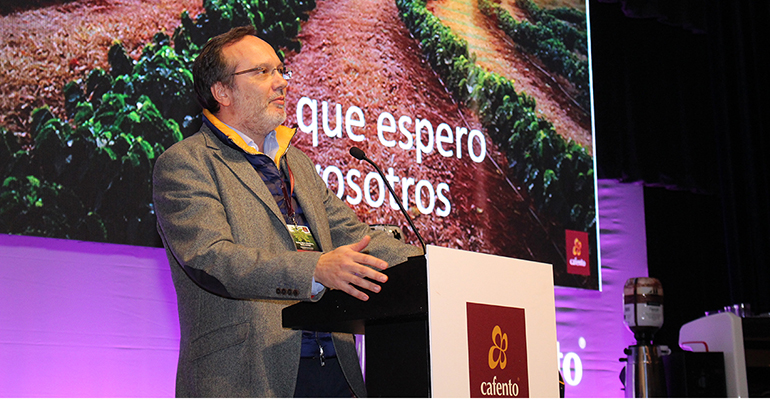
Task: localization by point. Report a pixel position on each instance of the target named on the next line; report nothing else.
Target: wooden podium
(451, 324)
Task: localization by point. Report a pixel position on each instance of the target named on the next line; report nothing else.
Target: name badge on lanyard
(303, 238)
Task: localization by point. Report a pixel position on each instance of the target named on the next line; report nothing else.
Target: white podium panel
(492, 326)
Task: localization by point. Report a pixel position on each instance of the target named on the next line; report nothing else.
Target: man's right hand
(346, 266)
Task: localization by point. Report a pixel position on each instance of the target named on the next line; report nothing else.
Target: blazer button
(283, 291)
(277, 290)
(296, 293)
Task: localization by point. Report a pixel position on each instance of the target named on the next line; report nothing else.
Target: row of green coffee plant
(553, 42)
(568, 24)
(570, 15)
(88, 176)
(557, 174)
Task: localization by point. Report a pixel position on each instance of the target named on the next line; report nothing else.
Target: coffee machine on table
(643, 315)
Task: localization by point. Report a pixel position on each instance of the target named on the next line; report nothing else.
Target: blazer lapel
(242, 169)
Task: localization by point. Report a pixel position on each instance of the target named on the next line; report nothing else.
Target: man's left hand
(346, 266)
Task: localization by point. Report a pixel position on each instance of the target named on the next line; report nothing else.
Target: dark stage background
(680, 94)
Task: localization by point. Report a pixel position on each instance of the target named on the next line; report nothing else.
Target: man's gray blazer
(235, 267)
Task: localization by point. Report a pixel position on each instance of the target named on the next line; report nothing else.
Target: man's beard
(262, 122)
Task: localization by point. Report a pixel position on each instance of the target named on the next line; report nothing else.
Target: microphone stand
(360, 155)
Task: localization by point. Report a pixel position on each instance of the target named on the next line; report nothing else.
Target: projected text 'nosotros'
(405, 133)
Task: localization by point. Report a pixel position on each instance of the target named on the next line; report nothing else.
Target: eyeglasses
(262, 71)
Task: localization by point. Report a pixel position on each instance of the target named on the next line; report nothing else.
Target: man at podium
(250, 228)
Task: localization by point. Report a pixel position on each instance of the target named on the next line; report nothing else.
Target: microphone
(359, 154)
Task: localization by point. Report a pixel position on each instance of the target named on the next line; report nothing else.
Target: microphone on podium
(360, 155)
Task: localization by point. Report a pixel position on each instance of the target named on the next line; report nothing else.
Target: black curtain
(681, 104)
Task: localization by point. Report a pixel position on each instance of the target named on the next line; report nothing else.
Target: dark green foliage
(73, 95)
(98, 82)
(163, 76)
(10, 151)
(108, 158)
(570, 15)
(120, 63)
(276, 21)
(29, 206)
(556, 173)
(565, 24)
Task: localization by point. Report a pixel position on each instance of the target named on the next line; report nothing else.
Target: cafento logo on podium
(497, 351)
